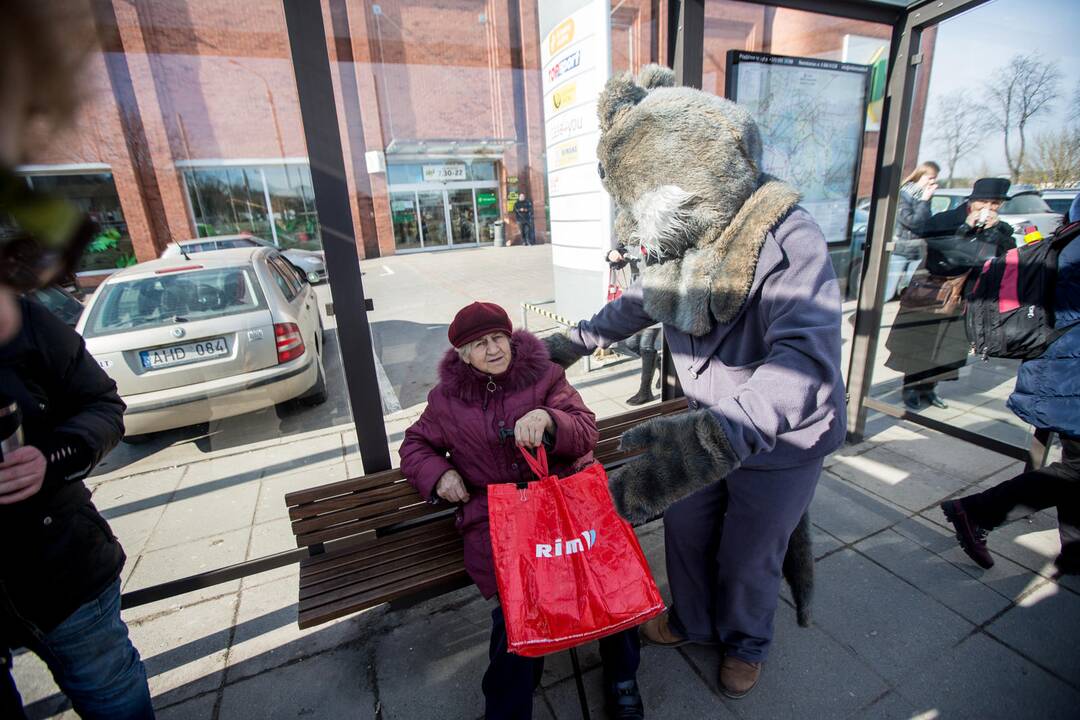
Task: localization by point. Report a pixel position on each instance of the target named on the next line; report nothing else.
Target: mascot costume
(740, 277)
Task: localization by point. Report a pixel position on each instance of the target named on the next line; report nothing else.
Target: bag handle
(538, 464)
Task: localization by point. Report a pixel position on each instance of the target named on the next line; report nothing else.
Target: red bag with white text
(569, 569)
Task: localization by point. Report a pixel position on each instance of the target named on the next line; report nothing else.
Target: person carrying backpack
(1047, 395)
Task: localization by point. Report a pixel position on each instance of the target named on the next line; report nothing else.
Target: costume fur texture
(684, 170)
(562, 350)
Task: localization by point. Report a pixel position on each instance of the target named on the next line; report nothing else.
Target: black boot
(648, 365)
(623, 701)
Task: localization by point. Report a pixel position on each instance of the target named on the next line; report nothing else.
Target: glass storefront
(95, 194)
(440, 204)
(273, 202)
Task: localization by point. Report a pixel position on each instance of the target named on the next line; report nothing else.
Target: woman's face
(490, 354)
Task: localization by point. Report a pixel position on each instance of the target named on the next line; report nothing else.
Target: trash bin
(498, 233)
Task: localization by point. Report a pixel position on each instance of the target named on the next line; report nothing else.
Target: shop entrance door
(446, 215)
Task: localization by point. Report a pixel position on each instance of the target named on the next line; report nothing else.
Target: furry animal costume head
(684, 169)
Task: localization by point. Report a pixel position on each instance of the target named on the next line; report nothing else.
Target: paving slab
(1044, 626)
(902, 481)
(935, 576)
(200, 708)
(958, 459)
(335, 684)
(893, 706)
(1031, 541)
(1007, 578)
(185, 651)
(272, 489)
(267, 636)
(808, 674)
(982, 679)
(850, 513)
(272, 537)
(892, 626)
(134, 505)
(203, 515)
(433, 663)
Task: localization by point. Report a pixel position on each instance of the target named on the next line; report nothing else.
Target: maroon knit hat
(477, 320)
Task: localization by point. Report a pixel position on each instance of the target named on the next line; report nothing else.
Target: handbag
(614, 290)
(935, 294)
(568, 568)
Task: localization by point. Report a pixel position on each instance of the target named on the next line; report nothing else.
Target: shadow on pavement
(410, 354)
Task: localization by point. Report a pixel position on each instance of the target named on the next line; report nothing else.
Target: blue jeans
(93, 662)
(901, 270)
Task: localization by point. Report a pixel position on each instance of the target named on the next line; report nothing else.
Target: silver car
(208, 337)
(310, 262)
(1060, 199)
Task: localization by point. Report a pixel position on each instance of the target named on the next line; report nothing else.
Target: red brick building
(191, 124)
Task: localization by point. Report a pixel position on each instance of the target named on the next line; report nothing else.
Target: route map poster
(811, 114)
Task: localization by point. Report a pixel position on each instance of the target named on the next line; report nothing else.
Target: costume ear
(620, 94)
(655, 76)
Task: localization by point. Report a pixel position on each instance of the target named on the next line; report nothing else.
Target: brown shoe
(738, 677)
(657, 631)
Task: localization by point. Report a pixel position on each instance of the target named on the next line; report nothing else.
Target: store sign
(444, 173)
(575, 57)
(400, 205)
(486, 199)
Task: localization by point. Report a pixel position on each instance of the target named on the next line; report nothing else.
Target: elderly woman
(493, 381)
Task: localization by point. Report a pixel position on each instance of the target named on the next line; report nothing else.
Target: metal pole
(580, 684)
(318, 111)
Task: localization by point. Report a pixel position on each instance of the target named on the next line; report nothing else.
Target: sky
(972, 47)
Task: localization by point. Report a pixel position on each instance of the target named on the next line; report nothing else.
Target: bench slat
(379, 567)
(374, 543)
(342, 487)
(342, 502)
(318, 614)
(359, 506)
(332, 563)
(345, 530)
(369, 585)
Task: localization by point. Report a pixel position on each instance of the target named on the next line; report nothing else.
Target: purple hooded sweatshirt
(459, 430)
(771, 376)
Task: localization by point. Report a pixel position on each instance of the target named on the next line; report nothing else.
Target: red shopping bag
(569, 569)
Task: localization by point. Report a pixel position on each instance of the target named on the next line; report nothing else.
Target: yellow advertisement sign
(567, 154)
(561, 36)
(564, 97)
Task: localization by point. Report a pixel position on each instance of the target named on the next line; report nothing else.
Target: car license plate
(183, 354)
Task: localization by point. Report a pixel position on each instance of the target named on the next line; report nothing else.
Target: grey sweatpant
(725, 567)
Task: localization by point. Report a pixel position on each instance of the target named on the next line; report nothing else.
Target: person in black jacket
(930, 347)
(523, 212)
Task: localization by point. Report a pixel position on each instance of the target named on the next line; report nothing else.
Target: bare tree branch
(959, 124)
(1025, 88)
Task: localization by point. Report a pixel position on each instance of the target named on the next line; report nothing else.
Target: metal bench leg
(580, 684)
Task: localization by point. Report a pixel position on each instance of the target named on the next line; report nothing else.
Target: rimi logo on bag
(588, 539)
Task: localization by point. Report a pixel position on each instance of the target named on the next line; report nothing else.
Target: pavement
(905, 625)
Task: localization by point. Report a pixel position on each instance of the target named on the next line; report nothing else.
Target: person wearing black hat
(928, 343)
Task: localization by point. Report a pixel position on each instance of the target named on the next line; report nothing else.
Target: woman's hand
(529, 430)
(451, 488)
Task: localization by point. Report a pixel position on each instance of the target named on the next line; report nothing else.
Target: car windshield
(168, 298)
(1024, 204)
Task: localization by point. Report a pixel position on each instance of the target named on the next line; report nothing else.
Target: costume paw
(562, 351)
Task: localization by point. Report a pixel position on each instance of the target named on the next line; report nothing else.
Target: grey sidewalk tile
(269, 538)
(201, 708)
(185, 651)
(431, 666)
(134, 505)
(984, 680)
(267, 636)
(955, 457)
(1045, 626)
(850, 513)
(1007, 578)
(893, 706)
(935, 576)
(823, 542)
(202, 516)
(900, 480)
(891, 625)
(808, 675)
(331, 685)
(40, 694)
(181, 561)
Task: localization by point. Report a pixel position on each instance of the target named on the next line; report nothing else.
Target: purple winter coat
(772, 375)
(459, 430)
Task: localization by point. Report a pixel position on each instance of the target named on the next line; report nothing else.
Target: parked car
(310, 262)
(205, 338)
(1060, 200)
(60, 303)
(1025, 210)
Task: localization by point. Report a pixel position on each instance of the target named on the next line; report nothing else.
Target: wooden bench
(373, 539)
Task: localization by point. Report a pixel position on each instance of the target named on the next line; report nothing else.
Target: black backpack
(1010, 309)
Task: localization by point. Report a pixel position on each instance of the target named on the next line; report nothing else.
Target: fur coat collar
(528, 366)
(711, 282)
